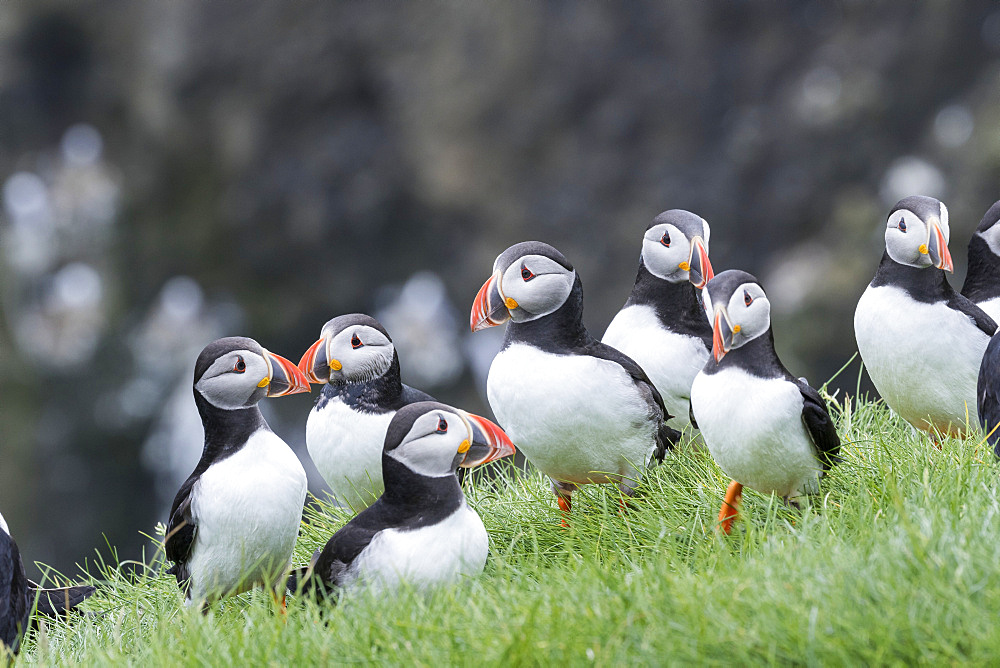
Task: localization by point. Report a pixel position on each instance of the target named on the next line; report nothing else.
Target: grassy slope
(896, 562)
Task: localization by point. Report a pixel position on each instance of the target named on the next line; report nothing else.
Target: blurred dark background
(178, 171)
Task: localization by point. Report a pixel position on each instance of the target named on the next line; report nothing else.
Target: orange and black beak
(489, 309)
(699, 269)
(722, 334)
(937, 248)
(284, 377)
(488, 443)
(314, 363)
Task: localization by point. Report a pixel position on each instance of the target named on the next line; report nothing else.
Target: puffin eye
(526, 274)
(747, 299)
(442, 426)
(665, 239)
(356, 342)
(902, 225)
(240, 365)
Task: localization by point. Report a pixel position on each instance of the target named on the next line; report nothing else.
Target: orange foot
(564, 505)
(730, 507)
(282, 605)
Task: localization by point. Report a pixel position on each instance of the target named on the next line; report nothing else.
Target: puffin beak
(700, 271)
(937, 248)
(722, 335)
(285, 377)
(489, 309)
(314, 364)
(489, 442)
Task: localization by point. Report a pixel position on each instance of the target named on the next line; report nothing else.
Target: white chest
(346, 446)
(923, 358)
(577, 418)
(431, 555)
(670, 360)
(753, 428)
(247, 509)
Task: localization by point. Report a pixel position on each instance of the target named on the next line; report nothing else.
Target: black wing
(820, 425)
(181, 530)
(988, 393)
(343, 548)
(977, 315)
(666, 437)
(13, 594)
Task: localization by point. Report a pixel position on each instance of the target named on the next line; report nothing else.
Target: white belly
(578, 419)
(992, 308)
(346, 446)
(247, 510)
(670, 360)
(923, 358)
(753, 428)
(431, 555)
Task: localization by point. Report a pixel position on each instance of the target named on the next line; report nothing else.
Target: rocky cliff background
(177, 171)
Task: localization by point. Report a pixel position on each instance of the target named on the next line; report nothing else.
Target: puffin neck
(757, 357)
(376, 395)
(677, 305)
(415, 493)
(983, 280)
(559, 331)
(226, 431)
(928, 285)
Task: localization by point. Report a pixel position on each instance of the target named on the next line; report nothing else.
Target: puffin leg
(564, 492)
(730, 507)
(280, 603)
(627, 488)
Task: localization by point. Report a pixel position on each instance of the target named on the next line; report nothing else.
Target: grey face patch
(431, 446)
(538, 284)
(363, 352)
(225, 386)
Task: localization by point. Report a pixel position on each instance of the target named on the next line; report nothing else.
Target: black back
(384, 394)
(930, 286)
(226, 432)
(563, 333)
(988, 393)
(983, 280)
(14, 606)
(758, 358)
(677, 305)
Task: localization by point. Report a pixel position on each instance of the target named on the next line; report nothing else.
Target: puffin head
(739, 310)
(530, 280)
(433, 439)
(675, 248)
(989, 230)
(236, 372)
(917, 232)
(352, 348)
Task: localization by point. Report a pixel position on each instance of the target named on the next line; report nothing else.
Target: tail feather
(58, 602)
(667, 438)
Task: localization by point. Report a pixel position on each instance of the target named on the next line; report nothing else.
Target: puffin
(765, 428)
(988, 394)
(234, 521)
(420, 532)
(663, 325)
(581, 411)
(358, 366)
(982, 282)
(921, 341)
(18, 595)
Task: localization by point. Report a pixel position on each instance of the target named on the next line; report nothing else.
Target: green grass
(896, 562)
